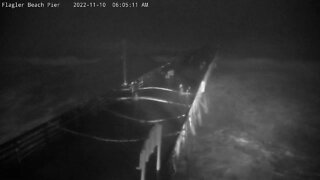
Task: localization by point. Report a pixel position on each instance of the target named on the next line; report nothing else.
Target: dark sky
(66, 30)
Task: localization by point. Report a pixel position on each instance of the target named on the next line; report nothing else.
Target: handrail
(20, 147)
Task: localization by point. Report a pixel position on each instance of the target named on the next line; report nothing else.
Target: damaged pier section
(133, 132)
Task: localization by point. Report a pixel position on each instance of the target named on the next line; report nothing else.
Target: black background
(70, 31)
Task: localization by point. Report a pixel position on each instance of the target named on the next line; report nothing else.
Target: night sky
(51, 32)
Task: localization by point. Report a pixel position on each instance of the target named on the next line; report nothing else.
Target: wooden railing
(16, 150)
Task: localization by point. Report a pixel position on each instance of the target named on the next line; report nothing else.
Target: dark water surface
(263, 123)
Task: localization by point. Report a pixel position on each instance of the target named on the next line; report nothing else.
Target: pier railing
(14, 151)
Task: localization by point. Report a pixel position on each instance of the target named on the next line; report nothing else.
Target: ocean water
(263, 123)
